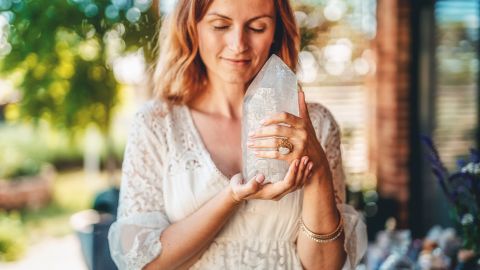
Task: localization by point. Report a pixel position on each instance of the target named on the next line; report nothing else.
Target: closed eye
(257, 30)
(225, 27)
(220, 28)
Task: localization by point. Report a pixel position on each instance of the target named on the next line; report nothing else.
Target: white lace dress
(168, 174)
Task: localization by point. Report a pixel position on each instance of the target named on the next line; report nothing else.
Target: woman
(183, 203)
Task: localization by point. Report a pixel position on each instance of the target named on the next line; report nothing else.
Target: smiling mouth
(237, 61)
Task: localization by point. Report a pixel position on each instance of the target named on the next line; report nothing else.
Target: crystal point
(273, 90)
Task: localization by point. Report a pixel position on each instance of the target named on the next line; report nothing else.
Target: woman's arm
(320, 215)
(184, 242)
(184, 239)
(319, 211)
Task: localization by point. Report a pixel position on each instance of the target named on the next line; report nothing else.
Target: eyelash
(222, 28)
(257, 30)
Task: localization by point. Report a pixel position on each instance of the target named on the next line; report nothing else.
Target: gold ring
(284, 147)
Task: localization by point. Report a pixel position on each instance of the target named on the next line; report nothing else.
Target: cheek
(262, 45)
(209, 45)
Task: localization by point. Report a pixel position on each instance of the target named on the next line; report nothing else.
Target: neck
(221, 99)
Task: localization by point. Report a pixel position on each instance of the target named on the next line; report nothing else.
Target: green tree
(61, 55)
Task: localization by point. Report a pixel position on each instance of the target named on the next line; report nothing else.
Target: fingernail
(259, 178)
(310, 166)
(297, 162)
(263, 121)
(305, 161)
(251, 133)
(249, 143)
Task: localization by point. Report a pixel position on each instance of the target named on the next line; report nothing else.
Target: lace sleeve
(134, 238)
(328, 133)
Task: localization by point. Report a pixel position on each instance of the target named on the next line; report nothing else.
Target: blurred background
(73, 73)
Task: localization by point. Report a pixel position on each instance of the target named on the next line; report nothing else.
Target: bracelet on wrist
(322, 238)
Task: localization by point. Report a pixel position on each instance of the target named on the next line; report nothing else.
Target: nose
(237, 40)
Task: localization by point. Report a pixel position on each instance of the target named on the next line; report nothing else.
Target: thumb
(237, 179)
(302, 105)
(243, 190)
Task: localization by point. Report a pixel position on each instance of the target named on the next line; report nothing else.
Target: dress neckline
(201, 144)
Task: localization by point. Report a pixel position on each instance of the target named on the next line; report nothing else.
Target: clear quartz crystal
(273, 90)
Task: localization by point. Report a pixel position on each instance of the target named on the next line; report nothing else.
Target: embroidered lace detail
(134, 241)
(249, 254)
(328, 133)
(135, 237)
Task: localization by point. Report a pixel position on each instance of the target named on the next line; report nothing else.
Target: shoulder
(320, 113)
(156, 112)
(153, 116)
(152, 109)
(323, 121)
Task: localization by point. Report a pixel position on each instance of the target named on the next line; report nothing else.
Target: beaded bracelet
(323, 238)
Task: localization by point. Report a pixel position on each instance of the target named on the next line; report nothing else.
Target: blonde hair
(179, 73)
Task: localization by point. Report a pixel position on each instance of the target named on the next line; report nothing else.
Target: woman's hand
(256, 189)
(299, 132)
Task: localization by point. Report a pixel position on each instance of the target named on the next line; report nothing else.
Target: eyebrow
(249, 20)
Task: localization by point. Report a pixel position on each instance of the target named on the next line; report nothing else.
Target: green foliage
(25, 149)
(53, 52)
(61, 61)
(12, 239)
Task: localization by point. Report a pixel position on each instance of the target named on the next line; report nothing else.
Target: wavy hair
(179, 73)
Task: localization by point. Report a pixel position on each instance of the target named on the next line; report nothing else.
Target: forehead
(242, 9)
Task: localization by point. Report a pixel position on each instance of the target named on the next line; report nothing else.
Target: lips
(237, 61)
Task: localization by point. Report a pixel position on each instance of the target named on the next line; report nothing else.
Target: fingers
(309, 172)
(264, 143)
(300, 176)
(302, 105)
(297, 174)
(270, 154)
(302, 170)
(240, 190)
(272, 191)
(290, 178)
(268, 148)
(284, 118)
(272, 130)
(293, 180)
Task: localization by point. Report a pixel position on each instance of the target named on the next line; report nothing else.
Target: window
(455, 102)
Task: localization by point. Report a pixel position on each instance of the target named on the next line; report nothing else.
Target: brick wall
(390, 99)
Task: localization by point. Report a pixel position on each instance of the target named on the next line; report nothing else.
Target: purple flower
(461, 163)
(438, 168)
(474, 155)
(462, 188)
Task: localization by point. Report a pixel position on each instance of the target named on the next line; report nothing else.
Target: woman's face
(235, 37)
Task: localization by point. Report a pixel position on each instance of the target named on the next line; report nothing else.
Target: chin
(237, 79)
